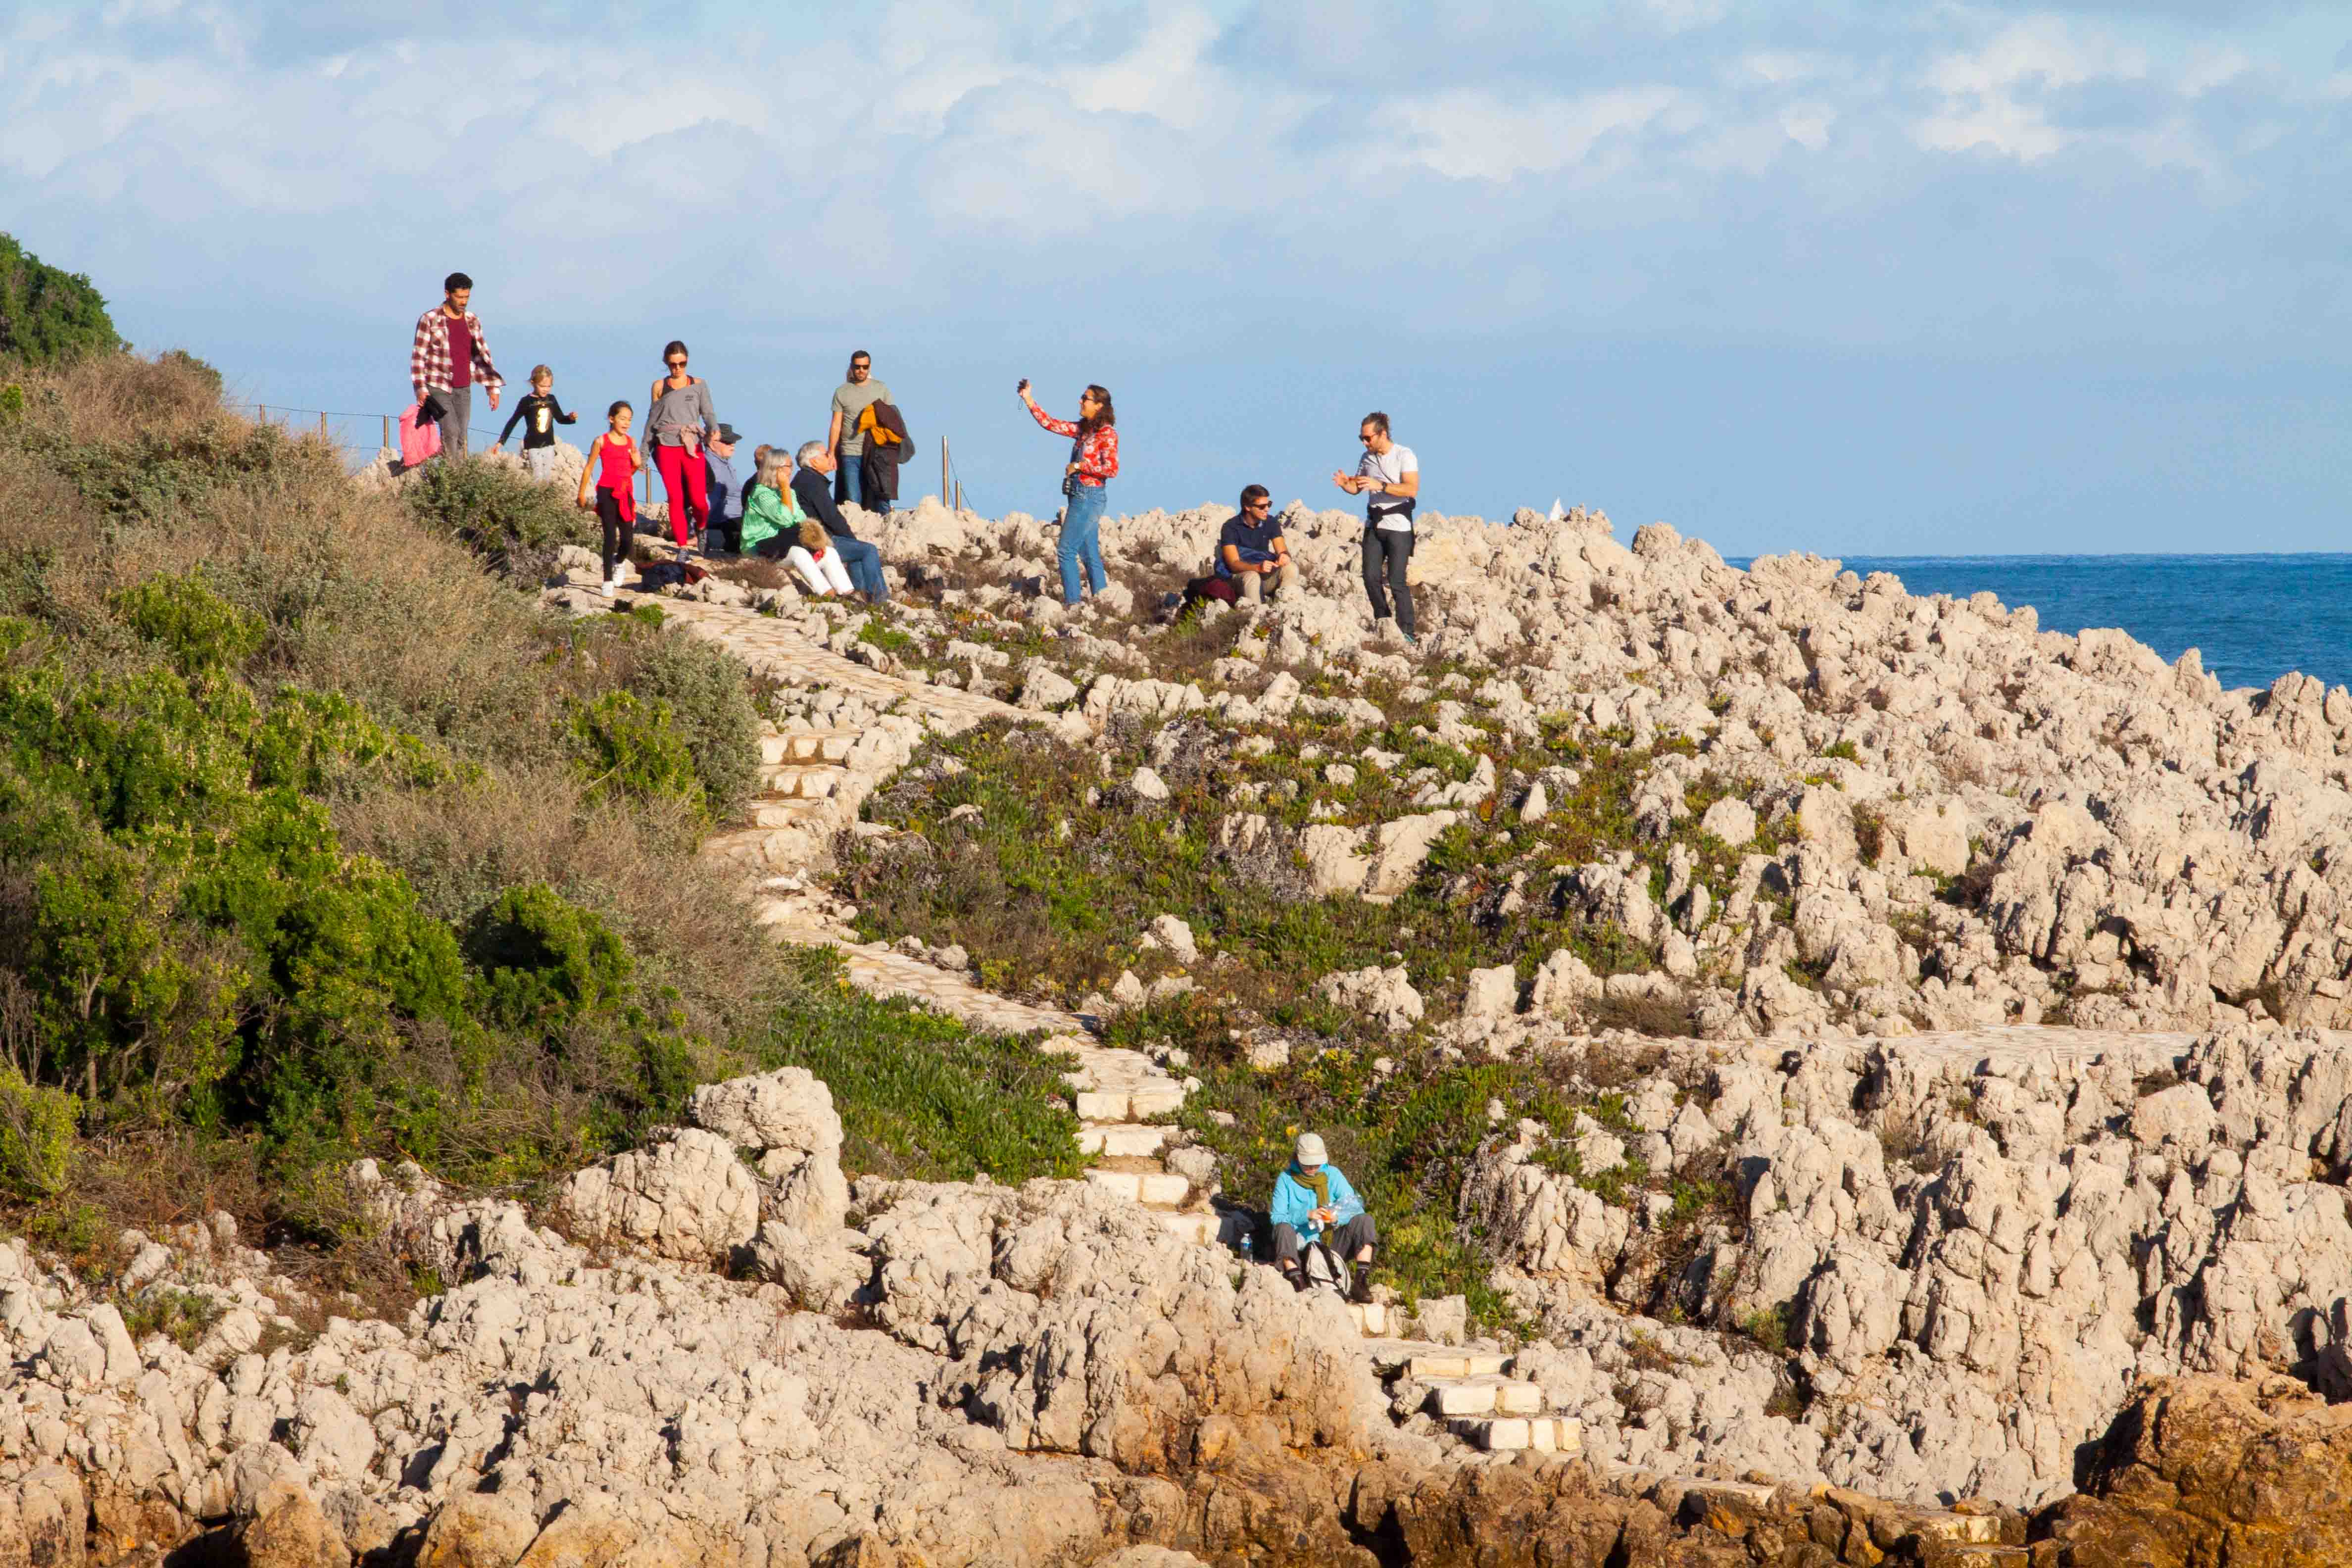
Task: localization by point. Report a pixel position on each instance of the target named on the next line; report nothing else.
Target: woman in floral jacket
(1094, 461)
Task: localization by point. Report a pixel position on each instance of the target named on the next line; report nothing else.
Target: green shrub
(544, 961)
(36, 1136)
(512, 521)
(920, 1096)
(202, 633)
(707, 691)
(47, 315)
(632, 748)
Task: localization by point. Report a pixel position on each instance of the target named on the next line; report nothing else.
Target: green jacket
(767, 513)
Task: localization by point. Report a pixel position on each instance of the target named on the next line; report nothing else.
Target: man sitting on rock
(1313, 1202)
(1252, 551)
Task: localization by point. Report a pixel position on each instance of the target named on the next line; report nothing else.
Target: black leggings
(1396, 547)
(617, 529)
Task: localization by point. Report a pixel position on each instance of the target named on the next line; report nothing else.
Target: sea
(2252, 618)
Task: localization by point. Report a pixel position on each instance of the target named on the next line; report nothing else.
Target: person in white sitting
(819, 565)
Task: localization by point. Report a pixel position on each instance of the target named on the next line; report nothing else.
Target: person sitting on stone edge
(1313, 1202)
(1250, 550)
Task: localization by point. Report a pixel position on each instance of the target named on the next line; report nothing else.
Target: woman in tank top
(678, 419)
(612, 469)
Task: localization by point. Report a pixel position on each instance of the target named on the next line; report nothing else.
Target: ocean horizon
(2251, 617)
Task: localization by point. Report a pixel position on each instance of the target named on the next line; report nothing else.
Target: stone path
(812, 783)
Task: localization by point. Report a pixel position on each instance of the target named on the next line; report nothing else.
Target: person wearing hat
(726, 495)
(1313, 1202)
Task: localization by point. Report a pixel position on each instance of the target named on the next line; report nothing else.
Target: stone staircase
(813, 783)
(1471, 1393)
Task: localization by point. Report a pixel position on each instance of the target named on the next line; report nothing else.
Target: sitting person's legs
(1285, 1250)
(1285, 578)
(804, 566)
(835, 571)
(864, 564)
(1252, 586)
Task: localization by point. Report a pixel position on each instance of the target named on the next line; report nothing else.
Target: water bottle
(1249, 1247)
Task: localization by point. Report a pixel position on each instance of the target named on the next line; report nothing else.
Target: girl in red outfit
(1094, 461)
(611, 468)
(678, 420)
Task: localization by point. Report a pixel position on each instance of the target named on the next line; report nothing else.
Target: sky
(1860, 278)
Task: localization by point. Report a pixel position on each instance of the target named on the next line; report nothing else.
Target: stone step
(806, 745)
(812, 781)
(1121, 1137)
(748, 846)
(1501, 1434)
(1157, 1188)
(1152, 1096)
(1198, 1226)
(784, 811)
(1489, 1395)
(1426, 1358)
(1372, 1317)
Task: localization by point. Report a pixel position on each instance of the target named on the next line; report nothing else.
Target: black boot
(1360, 1290)
(1297, 1278)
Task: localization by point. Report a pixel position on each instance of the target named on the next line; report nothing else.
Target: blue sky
(1862, 279)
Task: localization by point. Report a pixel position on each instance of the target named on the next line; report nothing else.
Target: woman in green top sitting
(769, 513)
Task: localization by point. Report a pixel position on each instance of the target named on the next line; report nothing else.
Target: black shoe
(1297, 1278)
(1359, 1290)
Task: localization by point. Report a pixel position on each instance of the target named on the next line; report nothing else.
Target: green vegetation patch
(920, 1096)
(48, 316)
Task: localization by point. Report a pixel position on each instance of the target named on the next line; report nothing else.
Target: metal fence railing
(359, 437)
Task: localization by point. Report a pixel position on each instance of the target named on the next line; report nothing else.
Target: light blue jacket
(1293, 1201)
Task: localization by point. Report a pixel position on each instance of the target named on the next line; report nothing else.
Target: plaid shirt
(1098, 455)
(428, 357)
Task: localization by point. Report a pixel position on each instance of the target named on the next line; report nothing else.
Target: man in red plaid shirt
(449, 355)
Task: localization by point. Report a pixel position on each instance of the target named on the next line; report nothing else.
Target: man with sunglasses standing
(1390, 475)
(446, 357)
(842, 441)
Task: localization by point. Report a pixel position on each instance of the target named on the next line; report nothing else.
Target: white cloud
(963, 155)
(1466, 136)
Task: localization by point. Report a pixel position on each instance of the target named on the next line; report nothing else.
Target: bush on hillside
(36, 1136)
(512, 521)
(708, 693)
(47, 316)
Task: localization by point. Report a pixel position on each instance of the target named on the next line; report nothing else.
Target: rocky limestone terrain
(967, 1374)
(1865, 1269)
(1925, 813)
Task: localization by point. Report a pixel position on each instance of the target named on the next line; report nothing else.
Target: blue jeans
(864, 565)
(849, 481)
(1082, 541)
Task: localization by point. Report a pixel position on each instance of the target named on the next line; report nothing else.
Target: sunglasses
(676, 363)
(1367, 440)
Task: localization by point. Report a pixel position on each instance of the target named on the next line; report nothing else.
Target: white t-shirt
(1390, 467)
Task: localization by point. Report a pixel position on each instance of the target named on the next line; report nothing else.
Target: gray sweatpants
(1347, 1240)
(456, 425)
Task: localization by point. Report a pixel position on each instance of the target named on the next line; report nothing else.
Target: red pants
(684, 470)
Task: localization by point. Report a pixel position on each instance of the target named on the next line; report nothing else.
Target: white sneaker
(605, 587)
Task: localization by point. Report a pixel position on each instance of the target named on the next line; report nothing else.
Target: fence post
(944, 491)
(387, 432)
(322, 426)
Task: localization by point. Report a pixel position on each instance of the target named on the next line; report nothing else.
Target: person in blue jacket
(1313, 1202)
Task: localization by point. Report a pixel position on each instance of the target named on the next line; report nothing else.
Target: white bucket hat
(1310, 1150)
